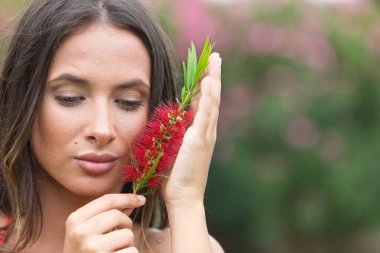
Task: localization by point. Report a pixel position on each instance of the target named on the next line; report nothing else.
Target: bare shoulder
(160, 242)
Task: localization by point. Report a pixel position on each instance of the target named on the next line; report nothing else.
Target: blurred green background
(297, 162)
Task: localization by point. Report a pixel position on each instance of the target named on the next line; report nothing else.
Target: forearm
(189, 229)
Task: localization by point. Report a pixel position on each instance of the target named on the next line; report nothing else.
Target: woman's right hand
(103, 225)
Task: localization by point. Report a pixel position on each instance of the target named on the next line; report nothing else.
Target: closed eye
(128, 105)
(69, 100)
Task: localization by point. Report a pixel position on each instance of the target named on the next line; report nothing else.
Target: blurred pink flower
(302, 133)
(373, 39)
(232, 24)
(313, 49)
(194, 24)
(271, 2)
(312, 43)
(354, 8)
(265, 38)
(236, 106)
(306, 42)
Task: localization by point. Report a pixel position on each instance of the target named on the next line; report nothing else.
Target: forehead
(101, 47)
(103, 36)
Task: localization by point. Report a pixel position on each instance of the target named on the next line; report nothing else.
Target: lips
(96, 163)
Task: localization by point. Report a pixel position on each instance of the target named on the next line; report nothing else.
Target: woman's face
(95, 103)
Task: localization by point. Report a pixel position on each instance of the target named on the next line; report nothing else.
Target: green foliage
(193, 70)
(315, 188)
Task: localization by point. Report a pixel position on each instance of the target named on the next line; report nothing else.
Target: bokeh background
(297, 162)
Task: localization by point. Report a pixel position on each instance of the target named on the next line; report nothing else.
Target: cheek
(53, 128)
(130, 127)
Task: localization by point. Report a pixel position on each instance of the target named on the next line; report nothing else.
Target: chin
(92, 187)
(96, 190)
(79, 186)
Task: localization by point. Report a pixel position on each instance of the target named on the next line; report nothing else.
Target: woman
(79, 81)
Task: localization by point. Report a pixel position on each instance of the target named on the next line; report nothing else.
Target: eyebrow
(81, 81)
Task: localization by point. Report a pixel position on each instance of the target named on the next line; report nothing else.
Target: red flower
(157, 146)
(161, 138)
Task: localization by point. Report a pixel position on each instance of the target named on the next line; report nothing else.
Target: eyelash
(69, 101)
(127, 105)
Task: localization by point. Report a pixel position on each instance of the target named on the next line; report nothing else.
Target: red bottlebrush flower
(161, 138)
(131, 173)
(156, 149)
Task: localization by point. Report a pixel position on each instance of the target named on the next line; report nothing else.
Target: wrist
(188, 229)
(175, 209)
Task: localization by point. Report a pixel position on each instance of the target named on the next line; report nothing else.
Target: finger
(215, 87)
(210, 59)
(202, 117)
(106, 221)
(195, 99)
(105, 203)
(128, 250)
(119, 239)
(213, 68)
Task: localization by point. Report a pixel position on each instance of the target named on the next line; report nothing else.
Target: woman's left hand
(187, 182)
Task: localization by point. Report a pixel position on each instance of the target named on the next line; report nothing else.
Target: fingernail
(214, 56)
(220, 61)
(141, 198)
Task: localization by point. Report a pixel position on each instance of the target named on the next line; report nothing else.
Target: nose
(100, 129)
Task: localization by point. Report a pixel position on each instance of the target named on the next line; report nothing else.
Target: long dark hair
(36, 38)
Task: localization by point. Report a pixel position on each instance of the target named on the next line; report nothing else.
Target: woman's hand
(187, 182)
(103, 225)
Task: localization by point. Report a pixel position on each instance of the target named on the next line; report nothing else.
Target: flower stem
(148, 175)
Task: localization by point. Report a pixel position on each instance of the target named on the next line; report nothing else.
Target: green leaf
(206, 51)
(148, 175)
(195, 93)
(194, 70)
(184, 74)
(198, 77)
(191, 66)
(203, 62)
(183, 93)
